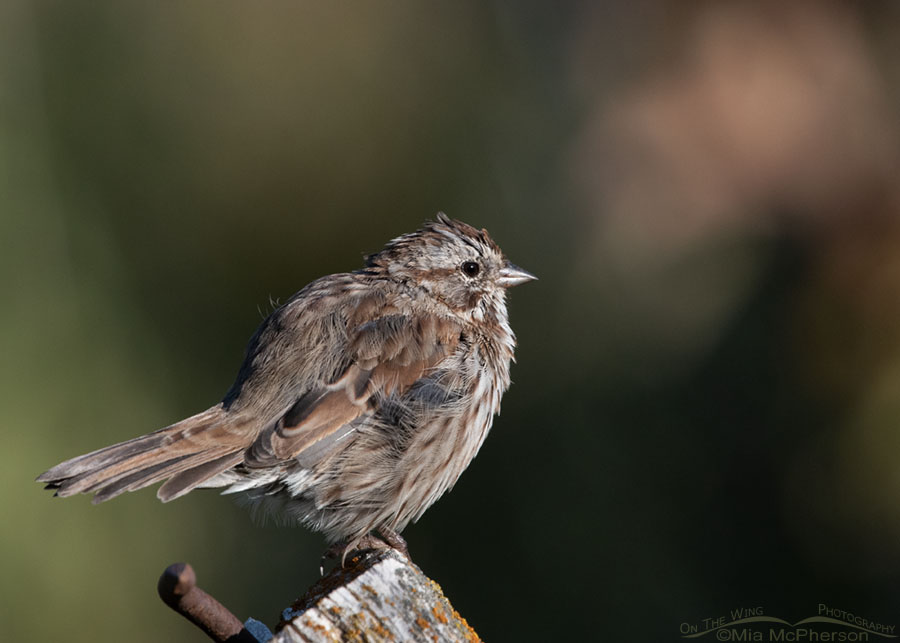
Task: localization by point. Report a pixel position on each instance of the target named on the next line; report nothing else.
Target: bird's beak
(511, 275)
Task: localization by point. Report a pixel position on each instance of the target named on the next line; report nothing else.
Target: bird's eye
(470, 268)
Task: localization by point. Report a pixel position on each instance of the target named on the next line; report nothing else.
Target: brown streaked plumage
(360, 401)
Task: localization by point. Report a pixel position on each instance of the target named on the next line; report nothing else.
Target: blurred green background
(706, 407)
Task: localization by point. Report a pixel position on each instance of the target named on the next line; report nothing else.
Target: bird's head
(459, 266)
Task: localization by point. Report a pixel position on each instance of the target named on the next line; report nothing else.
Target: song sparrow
(359, 403)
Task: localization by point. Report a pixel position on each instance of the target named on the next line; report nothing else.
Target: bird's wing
(387, 356)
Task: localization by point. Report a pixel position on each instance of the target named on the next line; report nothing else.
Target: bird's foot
(386, 539)
(394, 540)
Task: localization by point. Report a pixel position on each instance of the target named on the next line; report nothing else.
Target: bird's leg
(395, 540)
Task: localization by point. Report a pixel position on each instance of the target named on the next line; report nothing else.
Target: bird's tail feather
(187, 454)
